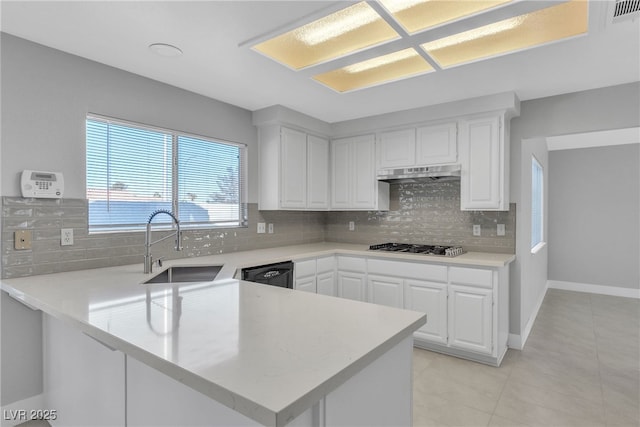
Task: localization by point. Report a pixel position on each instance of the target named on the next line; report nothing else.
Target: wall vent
(625, 9)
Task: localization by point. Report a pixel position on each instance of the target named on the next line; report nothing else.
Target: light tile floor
(580, 367)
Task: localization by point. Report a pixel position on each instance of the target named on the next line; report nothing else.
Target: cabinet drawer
(471, 276)
(305, 268)
(412, 270)
(347, 263)
(325, 264)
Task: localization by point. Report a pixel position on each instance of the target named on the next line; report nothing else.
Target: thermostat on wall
(39, 184)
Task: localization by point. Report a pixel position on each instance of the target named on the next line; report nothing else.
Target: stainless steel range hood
(434, 173)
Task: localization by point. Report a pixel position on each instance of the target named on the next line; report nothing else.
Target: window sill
(537, 248)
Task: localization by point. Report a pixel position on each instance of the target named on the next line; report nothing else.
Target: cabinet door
(470, 318)
(293, 164)
(385, 290)
(437, 144)
(306, 284)
(317, 172)
(480, 185)
(429, 298)
(352, 285)
(398, 148)
(364, 184)
(341, 174)
(326, 283)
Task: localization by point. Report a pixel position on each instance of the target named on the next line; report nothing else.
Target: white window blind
(133, 170)
(537, 194)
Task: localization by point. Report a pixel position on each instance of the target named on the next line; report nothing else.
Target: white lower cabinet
(352, 285)
(306, 284)
(352, 277)
(305, 275)
(386, 290)
(431, 299)
(326, 283)
(471, 318)
(316, 276)
(466, 307)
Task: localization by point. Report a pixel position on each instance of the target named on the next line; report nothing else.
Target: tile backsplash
(427, 212)
(45, 218)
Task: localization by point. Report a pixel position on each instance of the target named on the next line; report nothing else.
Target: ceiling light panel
(419, 15)
(349, 30)
(521, 32)
(382, 69)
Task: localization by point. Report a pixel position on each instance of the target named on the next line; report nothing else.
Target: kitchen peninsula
(227, 352)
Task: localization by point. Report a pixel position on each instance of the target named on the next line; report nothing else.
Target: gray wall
(594, 209)
(531, 268)
(615, 107)
(46, 95)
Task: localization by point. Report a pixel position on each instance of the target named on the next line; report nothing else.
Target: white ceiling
(216, 64)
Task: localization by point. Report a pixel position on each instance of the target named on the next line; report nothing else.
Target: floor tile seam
(548, 375)
(603, 405)
(504, 386)
(572, 397)
(565, 414)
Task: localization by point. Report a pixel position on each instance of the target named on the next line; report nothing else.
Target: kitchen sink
(186, 273)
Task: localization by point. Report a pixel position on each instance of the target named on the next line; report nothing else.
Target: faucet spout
(148, 259)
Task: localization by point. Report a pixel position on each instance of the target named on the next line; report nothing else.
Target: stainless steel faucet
(148, 259)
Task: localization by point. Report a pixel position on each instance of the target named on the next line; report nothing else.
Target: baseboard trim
(517, 342)
(19, 412)
(615, 291)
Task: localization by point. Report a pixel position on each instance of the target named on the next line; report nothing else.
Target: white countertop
(267, 352)
(238, 260)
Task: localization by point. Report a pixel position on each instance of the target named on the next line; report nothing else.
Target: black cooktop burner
(418, 249)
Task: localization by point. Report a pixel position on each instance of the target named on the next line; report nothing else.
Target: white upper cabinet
(416, 147)
(341, 174)
(437, 144)
(485, 163)
(294, 170)
(354, 185)
(398, 148)
(318, 172)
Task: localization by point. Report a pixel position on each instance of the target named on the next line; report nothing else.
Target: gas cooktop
(438, 250)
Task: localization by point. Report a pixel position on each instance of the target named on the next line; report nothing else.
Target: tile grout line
(595, 341)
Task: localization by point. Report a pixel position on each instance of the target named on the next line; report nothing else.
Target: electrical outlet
(261, 227)
(22, 239)
(500, 230)
(352, 226)
(66, 236)
(270, 228)
(477, 231)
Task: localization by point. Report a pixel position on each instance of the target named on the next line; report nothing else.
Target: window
(537, 207)
(134, 170)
